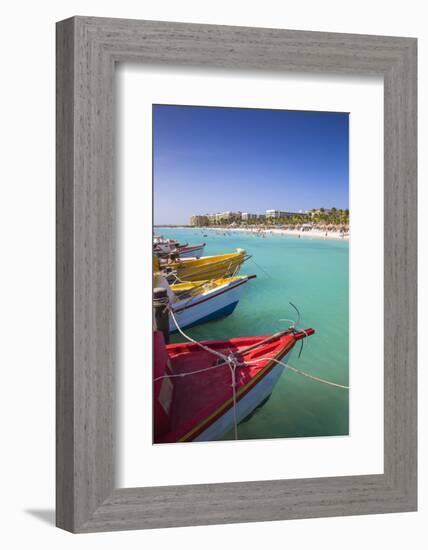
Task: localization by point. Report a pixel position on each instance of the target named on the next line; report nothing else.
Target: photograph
(250, 273)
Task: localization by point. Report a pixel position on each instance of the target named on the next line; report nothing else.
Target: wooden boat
(160, 244)
(201, 406)
(194, 251)
(194, 303)
(207, 267)
(164, 247)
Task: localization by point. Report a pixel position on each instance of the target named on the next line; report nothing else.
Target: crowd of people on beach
(326, 231)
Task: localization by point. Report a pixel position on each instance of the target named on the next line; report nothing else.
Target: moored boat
(193, 303)
(165, 247)
(194, 395)
(207, 267)
(194, 251)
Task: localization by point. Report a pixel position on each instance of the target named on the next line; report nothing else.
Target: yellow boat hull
(209, 267)
(200, 287)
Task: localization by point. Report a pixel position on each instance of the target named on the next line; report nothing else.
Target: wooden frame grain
(87, 50)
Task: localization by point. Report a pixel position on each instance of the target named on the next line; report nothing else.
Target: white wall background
(27, 271)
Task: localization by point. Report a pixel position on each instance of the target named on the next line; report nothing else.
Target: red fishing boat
(194, 251)
(168, 246)
(194, 395)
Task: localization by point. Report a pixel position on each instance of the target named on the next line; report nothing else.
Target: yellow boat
(193, 288)
(207, 267)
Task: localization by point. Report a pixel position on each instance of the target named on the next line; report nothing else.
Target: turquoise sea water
(313, 274)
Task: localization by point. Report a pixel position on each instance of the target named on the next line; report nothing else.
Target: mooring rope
(228, 263)
(232, 367)
(250, 362)
(261, 268)
(232, 362)
(298, 371)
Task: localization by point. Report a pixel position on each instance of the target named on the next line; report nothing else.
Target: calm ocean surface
(313, 274)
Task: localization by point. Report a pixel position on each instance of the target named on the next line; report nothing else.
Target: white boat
(198, 302)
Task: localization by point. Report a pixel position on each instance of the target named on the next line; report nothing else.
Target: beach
(261, 231)
(306, 233)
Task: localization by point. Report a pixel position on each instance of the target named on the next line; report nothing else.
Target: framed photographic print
(236, 274)
(256, 157)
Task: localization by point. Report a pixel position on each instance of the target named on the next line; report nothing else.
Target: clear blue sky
(214, 159)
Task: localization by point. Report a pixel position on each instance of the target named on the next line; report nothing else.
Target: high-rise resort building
(276, 214)
(199, 221)
(229, 216)
(247, 216)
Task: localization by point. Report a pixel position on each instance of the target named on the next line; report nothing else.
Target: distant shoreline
(314, 233)
(173, 226)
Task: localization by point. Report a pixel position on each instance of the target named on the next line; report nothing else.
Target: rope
(230, 360)
(232, 363)
(312, 377)
(260, 267)
(176, 277)
(206, 348)
(183, 374)
(247, 363)
(303, 373)
(228, 265)
(232, 368)
(162, 301)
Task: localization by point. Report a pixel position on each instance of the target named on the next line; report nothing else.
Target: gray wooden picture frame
(87, 51)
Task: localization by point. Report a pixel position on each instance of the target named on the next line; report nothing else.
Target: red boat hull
(199, 406)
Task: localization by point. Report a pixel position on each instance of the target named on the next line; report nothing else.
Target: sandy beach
(311, 233)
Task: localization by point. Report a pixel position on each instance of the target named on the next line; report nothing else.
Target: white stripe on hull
(205, 308)
(245, 406)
